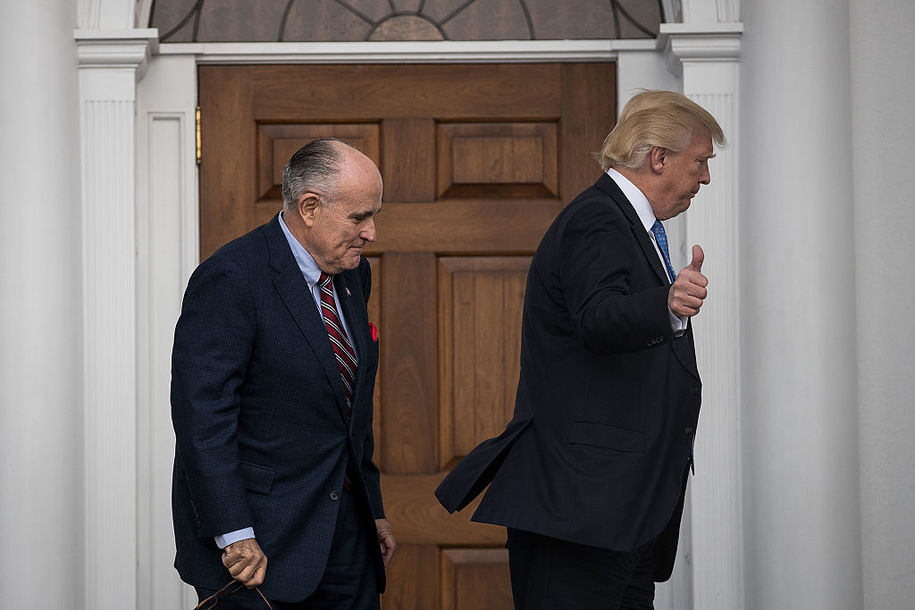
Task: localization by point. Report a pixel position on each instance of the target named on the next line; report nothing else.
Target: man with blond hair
(589, 476)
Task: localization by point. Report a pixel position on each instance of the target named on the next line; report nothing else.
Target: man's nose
(368, 233)
(705, 177)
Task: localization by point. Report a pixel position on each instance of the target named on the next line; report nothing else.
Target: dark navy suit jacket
(598, 449)
(258, 410)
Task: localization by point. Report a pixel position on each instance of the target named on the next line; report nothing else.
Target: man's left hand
(386, 540)
(688, 292)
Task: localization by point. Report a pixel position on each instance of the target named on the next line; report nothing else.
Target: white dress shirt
(646, 215)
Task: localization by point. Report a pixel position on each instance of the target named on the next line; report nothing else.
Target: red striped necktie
(343, 349)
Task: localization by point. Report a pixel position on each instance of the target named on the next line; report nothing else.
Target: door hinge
(197, 130)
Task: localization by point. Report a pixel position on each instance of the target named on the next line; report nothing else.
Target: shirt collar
(638, 199)
(307, 264)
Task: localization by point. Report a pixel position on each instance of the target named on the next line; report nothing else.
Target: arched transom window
(359, 20)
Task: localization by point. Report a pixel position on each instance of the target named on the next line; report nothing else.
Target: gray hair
(313, 168)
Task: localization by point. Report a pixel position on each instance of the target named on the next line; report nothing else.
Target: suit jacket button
(334, 496)
(689, 431)
(693, 391)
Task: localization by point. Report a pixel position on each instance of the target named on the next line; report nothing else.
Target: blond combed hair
(662, 119)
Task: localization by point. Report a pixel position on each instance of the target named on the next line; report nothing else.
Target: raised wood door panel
(476, 160)
(480, 302)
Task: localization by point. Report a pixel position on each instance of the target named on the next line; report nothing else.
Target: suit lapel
(681, 347)
(293, 290)
(608, 186)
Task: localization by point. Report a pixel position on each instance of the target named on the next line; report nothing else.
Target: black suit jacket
(258, 410)
(598, 449)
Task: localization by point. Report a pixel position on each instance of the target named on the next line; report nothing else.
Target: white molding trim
(407, 52)
(167, 253)
(108, 67)
(683, 42)
(124, 49)
(708, 58)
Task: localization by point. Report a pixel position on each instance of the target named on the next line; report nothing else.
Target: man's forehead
(702, 145)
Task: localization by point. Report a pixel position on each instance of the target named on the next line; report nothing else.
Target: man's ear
(657, 158)
(307, 206)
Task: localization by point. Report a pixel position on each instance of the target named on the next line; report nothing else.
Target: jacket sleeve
(597, 260)
(214, 339)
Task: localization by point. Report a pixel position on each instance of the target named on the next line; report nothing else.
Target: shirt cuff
(226, 539)
(676, 322)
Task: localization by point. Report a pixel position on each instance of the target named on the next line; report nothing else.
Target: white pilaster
(802, 517)
(708, 57)
(108, 67)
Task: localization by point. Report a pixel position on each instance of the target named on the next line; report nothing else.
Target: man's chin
(353, 259)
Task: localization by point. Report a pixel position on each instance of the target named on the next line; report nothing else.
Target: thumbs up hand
(688, 292)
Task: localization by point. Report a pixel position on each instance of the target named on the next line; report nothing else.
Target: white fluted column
(41, 424)
(802, 517)
(708, 56)
(108, 67)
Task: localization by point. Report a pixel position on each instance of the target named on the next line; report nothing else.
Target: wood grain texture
(418, 518)
(408, 168)
(588, 114)
(412, 578)
(453, 226)
(474, 579)
(515, 159)
(480, 304)
(227, 178)
(409, 356)
(444, 91)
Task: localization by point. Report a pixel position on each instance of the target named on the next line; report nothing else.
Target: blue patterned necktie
(658, 230)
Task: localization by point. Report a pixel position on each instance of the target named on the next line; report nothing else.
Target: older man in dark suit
(273, 370)
(590, 474)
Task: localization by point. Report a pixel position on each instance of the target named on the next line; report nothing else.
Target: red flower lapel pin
(374, 330)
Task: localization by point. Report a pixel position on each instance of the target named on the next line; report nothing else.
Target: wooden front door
(477, 160)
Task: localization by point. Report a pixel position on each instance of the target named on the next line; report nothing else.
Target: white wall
(800, 412)
(883, 87)
(41, 351)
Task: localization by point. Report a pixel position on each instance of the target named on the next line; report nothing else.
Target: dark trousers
(349, 579)
(551, 574)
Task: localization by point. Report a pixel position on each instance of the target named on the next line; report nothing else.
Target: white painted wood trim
(710, 69)
(167, 253)
(407, 52)
(107, 76)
